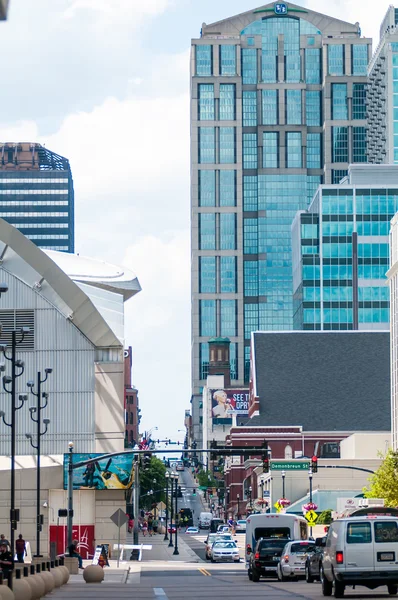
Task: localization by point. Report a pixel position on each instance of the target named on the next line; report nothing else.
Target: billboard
(116, 473)
(225, 403)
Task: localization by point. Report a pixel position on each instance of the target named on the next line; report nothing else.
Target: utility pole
(136, 499)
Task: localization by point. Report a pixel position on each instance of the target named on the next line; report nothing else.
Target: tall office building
(36, 195)
(382, 95)
(277, 108)
(340, 252)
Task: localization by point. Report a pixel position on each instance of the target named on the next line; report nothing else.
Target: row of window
(33, 203)
(39, 180)
(218, 317)
(217, 188)
(343, 272)
(345, 315)
(340, 101)
(222, 138)
(32, 192)
(42, 236)
(217, 231)
(344, 294)
(32, 214)
(312, 68)
(379, 202)
(340, 145)
(217, 274)
(40, 225)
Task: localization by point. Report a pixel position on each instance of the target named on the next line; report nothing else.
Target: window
(207, 274)
(233, 359)
(250, 278)
(293, 107)
(270, 150)
(359, 533)
(338, 174)
(313, 150)
(203, 360)
(206, 102)
(336, 59)
(339, 144)
(227, 145)
(227, 60)
(251, 319)
(313, 108)
(207, 188)
(250, 192)
(204, 60)
(228, 188)
(293, 150)
(250, 236)
(270, 107)
(313, 71)
(249, 66)
(288, 455)
(359, 59)
(227, 102)
(359, 101)
(250, 151)
(228, 318)
(228, 274)
(207, 231)
(249, 107)
(359, 145)
(207, 315)
(339, 101)
(386, 531)
(227, 231)
(131, 418)
(207, 145)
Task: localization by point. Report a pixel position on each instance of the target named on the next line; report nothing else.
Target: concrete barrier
(93, 574)
(72, 564)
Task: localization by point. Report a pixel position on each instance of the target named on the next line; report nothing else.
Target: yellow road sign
(311, 523)
(311, 516)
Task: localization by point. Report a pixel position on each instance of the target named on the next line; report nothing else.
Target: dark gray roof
(323, 380)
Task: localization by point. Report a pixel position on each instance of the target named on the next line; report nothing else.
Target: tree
(325, 518)
(206, 479)
(384, 482)
(156, 471)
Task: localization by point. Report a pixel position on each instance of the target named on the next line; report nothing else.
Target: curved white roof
(97, 273)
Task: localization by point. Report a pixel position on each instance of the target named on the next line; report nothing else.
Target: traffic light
(147, 460)
(314, 464)
(194, 492)
(265, 464)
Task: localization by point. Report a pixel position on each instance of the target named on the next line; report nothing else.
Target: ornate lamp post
(171, 510)
(35, 415)
(250, 496)
(283, 473)
(176, 513)
(167, 475)
(238, 499)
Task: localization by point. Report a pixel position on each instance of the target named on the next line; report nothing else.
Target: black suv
(314, 561)
(265, 557)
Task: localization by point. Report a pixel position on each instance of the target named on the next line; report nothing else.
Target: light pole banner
(116, 473)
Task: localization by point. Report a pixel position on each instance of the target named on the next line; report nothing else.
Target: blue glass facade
(39, 201)
(340, 280)
(262, 162)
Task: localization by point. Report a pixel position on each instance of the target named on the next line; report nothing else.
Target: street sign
(311, 517)
(119, 518)
(266, 494)
(290, 465)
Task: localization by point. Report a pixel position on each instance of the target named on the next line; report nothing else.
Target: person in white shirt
(223, 404)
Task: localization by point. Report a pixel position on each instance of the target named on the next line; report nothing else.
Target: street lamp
(226, 503)
(176, 512)
(70, 494)
(167, 475)
(171, 510)
(238, 499)
(154, 496)
(35, 415)
(15, 364)
(283, 473)
(250, 496)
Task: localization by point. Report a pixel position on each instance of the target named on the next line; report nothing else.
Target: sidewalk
(161, 551)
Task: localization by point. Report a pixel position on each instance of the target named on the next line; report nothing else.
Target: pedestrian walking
(130, 525)
(144, 528)
(20, 549)
(3, 540)
(150, 525)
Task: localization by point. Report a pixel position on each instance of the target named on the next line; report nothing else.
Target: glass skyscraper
(341, 252)
(36, 195)
(277, 108)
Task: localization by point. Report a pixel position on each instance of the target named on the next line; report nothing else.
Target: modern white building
(392, 275)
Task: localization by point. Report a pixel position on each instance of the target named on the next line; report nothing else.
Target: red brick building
(131, 406)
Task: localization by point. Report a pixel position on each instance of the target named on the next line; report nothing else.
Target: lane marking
(204, 572)
(160, 592)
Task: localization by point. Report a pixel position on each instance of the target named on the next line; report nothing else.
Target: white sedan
(192, 530)
(224, 551)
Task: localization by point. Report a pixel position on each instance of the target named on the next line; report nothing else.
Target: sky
(106, 84)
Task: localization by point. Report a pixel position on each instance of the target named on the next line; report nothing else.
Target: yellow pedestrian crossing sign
(311, 517)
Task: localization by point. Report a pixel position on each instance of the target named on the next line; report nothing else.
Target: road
(189, 500)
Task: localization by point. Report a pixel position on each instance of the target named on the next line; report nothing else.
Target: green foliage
(156, 471)
(384, 483)
(325, 518)
(206, 479)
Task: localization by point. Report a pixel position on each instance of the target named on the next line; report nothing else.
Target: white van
(205, 520)
(288, 527)
(360, 551)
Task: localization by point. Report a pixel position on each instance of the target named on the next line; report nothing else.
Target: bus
(281, 526)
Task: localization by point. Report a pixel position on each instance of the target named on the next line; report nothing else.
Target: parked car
(192, 530)
(171, 528)
(293, 559)
(224, 551)
(264, 559)
(314, 562)
(241, 526)
(360, 551)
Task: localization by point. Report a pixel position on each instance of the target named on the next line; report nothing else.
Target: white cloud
(117, 10)
(158, 327)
